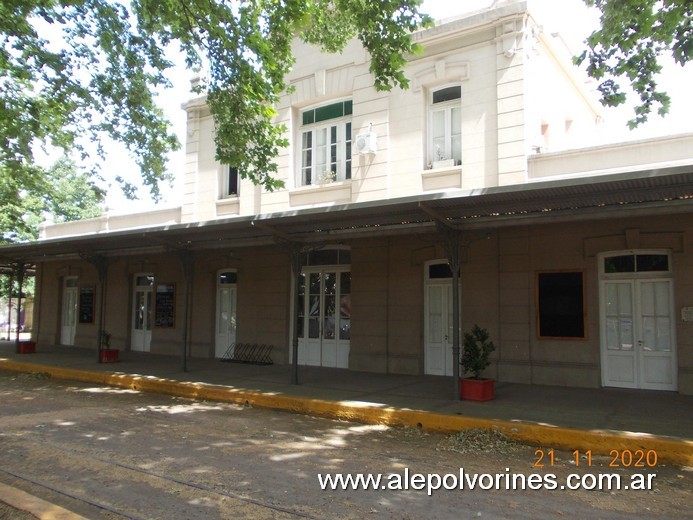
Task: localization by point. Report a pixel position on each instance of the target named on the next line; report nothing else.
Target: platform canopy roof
(649, 192)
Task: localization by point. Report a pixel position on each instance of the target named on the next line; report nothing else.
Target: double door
(324, 318)
(638, 346)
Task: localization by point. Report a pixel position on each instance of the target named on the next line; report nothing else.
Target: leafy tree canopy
(73, 68)
(60, 193)
(633, 36)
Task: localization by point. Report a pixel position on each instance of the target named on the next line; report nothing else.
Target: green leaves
(384, 28)
(248, 52)
(61, 192)
(634, 35)
(80, 71)
(88, 69)
(476, 351)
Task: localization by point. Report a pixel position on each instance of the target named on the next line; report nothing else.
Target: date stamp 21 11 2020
(616, 459)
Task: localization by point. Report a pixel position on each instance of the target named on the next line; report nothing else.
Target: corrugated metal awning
(666, 190)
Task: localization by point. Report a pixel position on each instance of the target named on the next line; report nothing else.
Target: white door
(324, 318)
(226, 314)
(142, 313)
(438, 329)
(69, 314)
(638, 347)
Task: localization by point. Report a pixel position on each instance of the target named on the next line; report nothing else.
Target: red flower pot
(477, 389)
(27, 347)
(108, 355)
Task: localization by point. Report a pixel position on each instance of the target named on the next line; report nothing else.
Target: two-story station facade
(577, 257)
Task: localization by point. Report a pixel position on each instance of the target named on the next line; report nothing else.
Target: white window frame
(337, 133)
(637, 273)
(224, 185)
(436, 153)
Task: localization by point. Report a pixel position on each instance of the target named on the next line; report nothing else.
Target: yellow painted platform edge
(677, 451)
(35, 506)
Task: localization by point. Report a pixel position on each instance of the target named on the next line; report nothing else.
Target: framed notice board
(86, 305)
(165, 305)
(561, 305)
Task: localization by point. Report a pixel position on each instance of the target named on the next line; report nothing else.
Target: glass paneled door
(324, 318)
(142, 312)
(69, 314)
(638, 334)
(226, 314)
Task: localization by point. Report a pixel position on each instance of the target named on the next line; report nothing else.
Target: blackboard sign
(86, 305)
(560, 302)
(164, 314)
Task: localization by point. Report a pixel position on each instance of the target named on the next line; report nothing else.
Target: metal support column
(19, 270)
(186, 258)
(296, 253)
(100, 263)
(453, 249)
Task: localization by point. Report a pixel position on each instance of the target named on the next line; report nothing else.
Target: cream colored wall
(111, 221)
(369, 303)
(660, 152)
(498, 291)
(497, 56)
(485, 54)
(525, 251)
(264, 296)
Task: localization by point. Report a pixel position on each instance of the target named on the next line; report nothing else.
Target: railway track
(97, 487)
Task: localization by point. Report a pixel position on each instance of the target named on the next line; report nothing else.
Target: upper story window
(445, 119)
(229, 180)
(326, 143)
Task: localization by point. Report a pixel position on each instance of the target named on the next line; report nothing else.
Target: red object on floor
(27, 347)
(108, 355)
(477, 389)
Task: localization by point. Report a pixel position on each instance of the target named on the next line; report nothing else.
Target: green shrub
(476, 351)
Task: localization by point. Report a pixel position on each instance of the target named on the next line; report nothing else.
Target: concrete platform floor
(650, 412)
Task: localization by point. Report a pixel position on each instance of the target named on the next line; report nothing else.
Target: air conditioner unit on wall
(367, 143)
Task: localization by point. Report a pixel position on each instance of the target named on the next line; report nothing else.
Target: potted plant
(327, 177)
(441, 160)
(475, 358)
(106, 353)
(27, 347)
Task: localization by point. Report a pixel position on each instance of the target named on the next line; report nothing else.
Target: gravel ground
(154, 456)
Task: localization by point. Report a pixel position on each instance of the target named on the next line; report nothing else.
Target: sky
(569, 17)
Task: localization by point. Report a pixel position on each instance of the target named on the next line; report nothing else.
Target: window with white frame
(445, 125)
(229, 181)
(326, 143)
